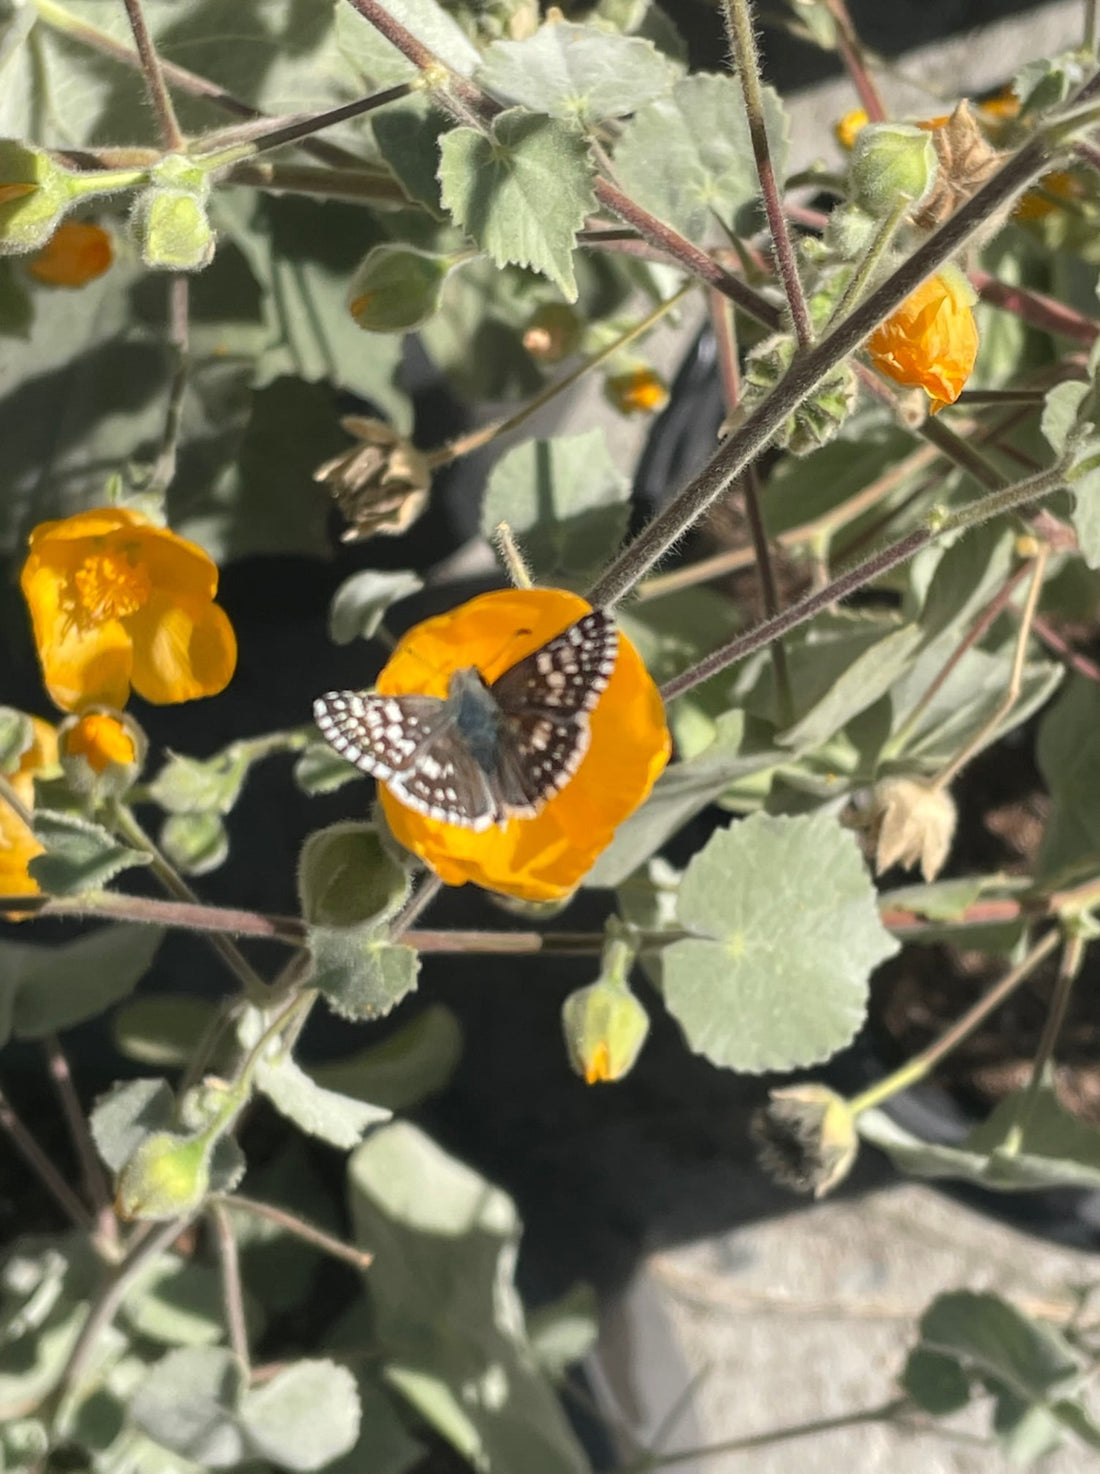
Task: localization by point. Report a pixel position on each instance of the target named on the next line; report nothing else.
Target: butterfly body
(483, 754)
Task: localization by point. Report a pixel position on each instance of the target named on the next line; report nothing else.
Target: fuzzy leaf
(304, 1417)
(564, 499)
(127, 1114)
(522, 193)
(687, 157)
(80, 855)
(321, 769)
(360, 974)
(581, 74)
(161, 1030)
(176, 1302)
(188, 1402)
(16, 735)
(361, 602)
(413, 1062)
(50, 987)
(195, 843)
(787, 934)
(380, 63)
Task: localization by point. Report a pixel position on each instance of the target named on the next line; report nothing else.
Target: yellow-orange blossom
(931, 341)
(117, 601)
(542, 858)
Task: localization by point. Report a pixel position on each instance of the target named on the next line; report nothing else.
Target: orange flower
(1043, 200)
(847, 127)
(543, 858)
(642, 391)
(18, 846)
(931, 341)
(101, 739)
(76, 253)
(117, 601)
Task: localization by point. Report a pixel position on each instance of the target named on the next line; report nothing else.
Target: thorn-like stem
(308, 1232)
(170, 133)
(746, 59)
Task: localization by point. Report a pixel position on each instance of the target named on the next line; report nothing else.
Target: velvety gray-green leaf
(360, 974)
(127, 1114)
(413, 1062)
(48, 987)
(304, 1417)
(80, 855)
(195, 843)
(361, 602)
(189, 1403)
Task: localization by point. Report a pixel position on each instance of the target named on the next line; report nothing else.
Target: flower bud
(848, 128)
(605, 1027)
(913, 823)
(891, 163)
(173, 230)
(74, 255)
(397, 288)
(552, 333)
(167, 1175)
(965, 158)
(642, 391)
(101, 752)
(931, 341)
(817, 419)
(35, 191)
(806, 1138)
(381, 485)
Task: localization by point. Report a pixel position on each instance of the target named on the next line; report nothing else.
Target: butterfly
(484, 753)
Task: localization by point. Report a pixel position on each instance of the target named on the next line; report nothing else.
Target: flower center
(110, 586)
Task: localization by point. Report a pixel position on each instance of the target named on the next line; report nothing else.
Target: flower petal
(182, 649)
(80, 666)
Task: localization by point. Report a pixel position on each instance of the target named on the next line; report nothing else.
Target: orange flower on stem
(18, 846)
(117, 601)
(544, 857)
(931, 341)
(76, 253)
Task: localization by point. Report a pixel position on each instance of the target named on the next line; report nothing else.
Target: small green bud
(892, 163)
(605, 1027)
(177, 171)
(173, 230)
(817, 420)
(347, 877)
(396, 288)
(806, 1138)
(166, 1176)
(35, 192)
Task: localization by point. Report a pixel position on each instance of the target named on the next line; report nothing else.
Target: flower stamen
(110, 586)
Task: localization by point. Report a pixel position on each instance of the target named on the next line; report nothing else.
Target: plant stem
(357, 1258)
(808, 370)
(873, 255)
(1036, 309)
(816, 1426)
(1015, 680)
(47, 1173)
(508, 551)
(21, 810)
(304, 127)
(179, 335)
(417, 903)
(922, 1064)
(129, 828)
(852, 55)
(1063, 649)
(487, 433)
(170, 134)
(356, 185)
(1073, 953)
(232, 1295)
(963, 454)
(739, 29)
(862, 573)
(91, 1169)
(149, 911)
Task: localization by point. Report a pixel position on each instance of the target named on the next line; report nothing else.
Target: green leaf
(47, 988)
(321, 769)
(80, 855)
(16, 735)
(1069, 759)
(195, 843)
(839, 672)
(413, 1062)
(360, 974)
(688, 158)
(1054, 1148)
(787, 934)
(380, 63)
(683, 790)
(522, 193)
(361, 602)
(127, 1114)
(188, 785)
(998, 1341)
(176, 1302)
(408, 134)
(566, 502)
(338, 1119)
(383, 1446)
(304, 1417)
(935, 1382)
(1071, 416)
(581, 74)
(348, 878)
(445, 1308)
(188, 1402)
(162, 1030)
(944, 900)
(564, 1331)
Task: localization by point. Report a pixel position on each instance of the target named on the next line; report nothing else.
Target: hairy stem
(1073, 953)
(170, 133)
(742, 39)
(308, 1232)
(91, 1169)
(44, 1169)
(189, 916)
(232, 1295)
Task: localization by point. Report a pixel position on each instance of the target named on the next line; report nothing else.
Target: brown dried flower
(966, 160)
(914, 824)
(381, 485)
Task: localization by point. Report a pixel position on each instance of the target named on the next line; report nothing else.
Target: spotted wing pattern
(415, 745)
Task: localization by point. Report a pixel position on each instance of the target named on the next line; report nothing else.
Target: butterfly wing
(409, 743)
(545, 699)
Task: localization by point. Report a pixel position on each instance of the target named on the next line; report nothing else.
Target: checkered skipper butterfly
(483, 754)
